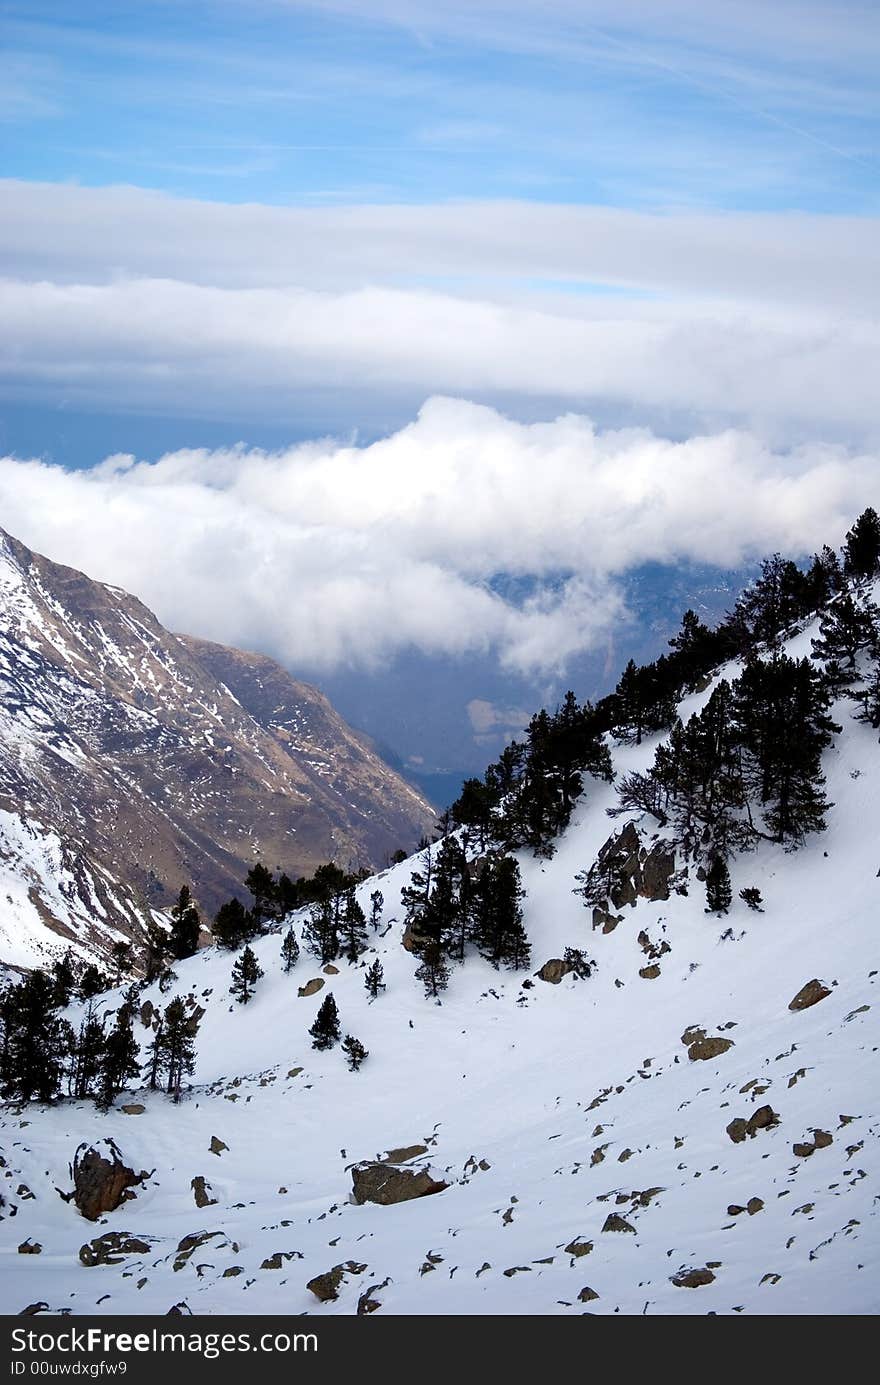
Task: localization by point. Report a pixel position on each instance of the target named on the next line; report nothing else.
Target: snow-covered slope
(133, 761)
(584, 1146)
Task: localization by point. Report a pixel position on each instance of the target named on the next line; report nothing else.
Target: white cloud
(327, 555)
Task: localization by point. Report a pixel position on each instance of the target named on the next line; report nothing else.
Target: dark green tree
(121, 1058)
(36, 1042)
(63, 979)
(374, 981)
(321, 930)
(290, 950)
(846, 628)
(433, 971)
(718, 890)
(861, 550)
(246, 972)
(120, 956)
(377, 904)
(87, 1055)
(354, 1051)
(325, 1031)
(352, 927)
(185, 926)
(233, 925)
(261, 883)
(173, 1048)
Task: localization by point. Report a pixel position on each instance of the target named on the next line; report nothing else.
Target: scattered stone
(367, 1303)
(587, 1295)
(649, 973)
(821, 1140)
(614, 1222)
(330, 970)
(134, 1108)
(578, 1247)
(624, 1155)
(754, 1204)
(111, 1248)
(765, 1118)
(693, 1279)
(735, 1210)
(202, 1192)
(386, 1184)
(232, 1272)
(101, 1180)
(517, 1269)
(30, 1247)
(294, 1072)
(808, 995)
(704, 1048)
(326, 1286)
(312, 987)
(217, 1146)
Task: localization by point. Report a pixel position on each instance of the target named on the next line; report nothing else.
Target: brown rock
(101, 1180)
(326, 1286)
(649, 973)
(330, 970)
(554, 970)
(708, 1048)
(134, 1108)
(692, 1279)
(386, 1184)
(311, 987)
(30, 1248)
(822, 1139)
(587, 1295)
(367, 1303)
(232, 1272)
(803, 1151)
(754, 1204)
(578, 1247)
(765, 1118)
(734, 1210)
(404, 1154)
(111, 1248)
(614, 1222)
(808, 995)
(202, 1192)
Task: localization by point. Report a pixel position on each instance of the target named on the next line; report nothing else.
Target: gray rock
(386, 1184)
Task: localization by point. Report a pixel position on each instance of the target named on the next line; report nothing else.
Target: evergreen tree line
(274, 897)
(453, 903)
(525, 799)
(41, 1053)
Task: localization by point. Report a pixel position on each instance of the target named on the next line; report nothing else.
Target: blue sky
(632, 105)
(416, 329)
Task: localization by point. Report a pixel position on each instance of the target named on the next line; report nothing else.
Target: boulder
(614, 1222)
(112, 1248)
(765, 1118)
(330, 970)
(386, 1184)
(404, 1154)
(578, 1247)
(202, 1191)
(554, 970)
(649, 973)
(216, 1146)
(134, 1108)
(101, 1179)
(587, 1294)
(30, 1248)
(311, 987)
(326, 1286)
(808, 995)
(692, 1279)
(702, 1049)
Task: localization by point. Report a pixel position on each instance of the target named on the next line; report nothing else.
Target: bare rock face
(634, 870)
(101, 1179)
(808, 995)
(404, 1154)
(112, 1248)
(386, 1184)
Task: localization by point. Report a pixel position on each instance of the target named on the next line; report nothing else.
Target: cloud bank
(330, 555)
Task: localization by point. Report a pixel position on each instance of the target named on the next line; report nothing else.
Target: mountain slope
(547, 1109)
(128, 766)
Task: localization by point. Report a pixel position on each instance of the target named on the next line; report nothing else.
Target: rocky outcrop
(101, 1179)
(386, 1184)
(700, 1047)
(311, 987)
(326, 1286)
(821, 1140)
(554, 970)
(765, 1118)
(693, 1279)
(810, 994)
(627, 870)
(112, 1248)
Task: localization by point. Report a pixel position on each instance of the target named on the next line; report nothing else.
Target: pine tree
(290, 950)
(156, 1050)
(352, 928)
(320, 931)
(718, 890)
(121, 1058)
(846, 628)
(354, 1052)
(325, 1031)
(157, 948)
(377, 904)
(374, 981)
(177, 1054)
(63, 980)
(861, 551)
(262, 886)
(245, 974)
(120, 954)
(36, 1041)
(233, 925)
(433, 972)
(751, 897)
(185, 926)
(868, 698)
(87, 1055)
(92, 982)
(501, 936)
